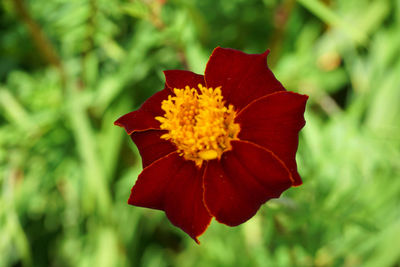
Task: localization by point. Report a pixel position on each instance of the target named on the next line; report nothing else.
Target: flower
(218, 145)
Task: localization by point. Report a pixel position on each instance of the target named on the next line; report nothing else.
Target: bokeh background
(69, 68)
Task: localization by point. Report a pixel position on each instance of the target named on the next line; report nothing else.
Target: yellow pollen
(198, 123)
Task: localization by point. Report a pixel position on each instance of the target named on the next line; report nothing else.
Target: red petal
(241, 181)
(180, 78)
(243, 77)
(151, 146)
(274, 122)
(175, 186)
(144, 118)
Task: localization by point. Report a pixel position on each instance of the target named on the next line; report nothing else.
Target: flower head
(198, 123)
(218, 145)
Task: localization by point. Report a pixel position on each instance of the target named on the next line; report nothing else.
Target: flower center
(198, 123)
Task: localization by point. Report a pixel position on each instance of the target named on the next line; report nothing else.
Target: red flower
(218, 145)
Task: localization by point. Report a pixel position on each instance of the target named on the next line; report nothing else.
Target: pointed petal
(184, 201)
(243, 77)
(181, 78)
(150, 188)
(274, 122)
(144, 118)
(241, 181)
(151, 146)
(175, 186)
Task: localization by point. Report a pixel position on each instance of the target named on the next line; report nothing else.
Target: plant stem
(39, 37)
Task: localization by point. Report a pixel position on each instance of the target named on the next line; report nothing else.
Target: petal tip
(297, 183)
(116, 123)
(304, 98)
(195, 237)
(217, 48)
(266, 53)
(196, 240)
(122, 125)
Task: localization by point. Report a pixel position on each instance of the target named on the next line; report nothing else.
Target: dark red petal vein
(243, 77)
(241, 181)
(151, 146)
(274, 122)
(144, 118)
(175, 186)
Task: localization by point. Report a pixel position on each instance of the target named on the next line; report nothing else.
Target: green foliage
(68, 69)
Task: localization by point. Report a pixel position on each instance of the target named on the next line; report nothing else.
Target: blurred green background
(69, 68)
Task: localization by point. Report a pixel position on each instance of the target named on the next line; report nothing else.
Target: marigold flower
(218, 145)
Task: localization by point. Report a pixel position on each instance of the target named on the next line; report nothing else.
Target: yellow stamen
(198, 123)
